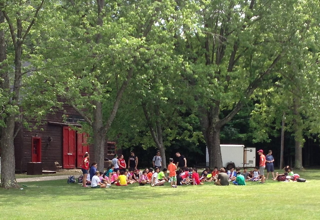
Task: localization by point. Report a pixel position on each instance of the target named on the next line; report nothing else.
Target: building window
(111, 148)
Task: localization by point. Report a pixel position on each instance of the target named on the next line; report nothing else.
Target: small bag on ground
(71, 179)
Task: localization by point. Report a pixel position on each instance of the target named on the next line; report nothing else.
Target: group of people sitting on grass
(181, 176)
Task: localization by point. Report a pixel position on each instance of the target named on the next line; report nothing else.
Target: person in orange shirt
(150, 173)
(262, 164)
(172, 173)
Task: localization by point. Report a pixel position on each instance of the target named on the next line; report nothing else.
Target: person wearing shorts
(85, 168)
(172, 173)
(269, 163)
(262, 164)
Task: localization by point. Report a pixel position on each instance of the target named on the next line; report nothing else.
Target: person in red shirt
(195, 177)
(122, 163)
(215, 173)
(85, 168)
(262, 164)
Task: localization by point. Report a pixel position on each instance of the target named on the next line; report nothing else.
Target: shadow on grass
(59, 190)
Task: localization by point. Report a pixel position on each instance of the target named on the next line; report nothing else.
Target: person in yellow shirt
(122, 179)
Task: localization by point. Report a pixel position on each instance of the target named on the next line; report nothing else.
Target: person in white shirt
(157, 160)
(95, 182)
(154, 179)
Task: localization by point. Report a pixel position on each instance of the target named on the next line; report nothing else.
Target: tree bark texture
(99, 137)
(8, 179)
(211, 131)
(297, 135)
(282, 140)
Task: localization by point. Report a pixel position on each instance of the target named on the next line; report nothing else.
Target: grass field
(59, 200)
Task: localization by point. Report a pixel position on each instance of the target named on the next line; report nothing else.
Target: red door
(82, 147)
(36, 149)
(69, 148)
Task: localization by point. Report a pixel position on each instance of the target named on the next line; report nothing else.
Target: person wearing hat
(262, 164)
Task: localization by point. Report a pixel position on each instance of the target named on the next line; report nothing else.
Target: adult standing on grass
(157, 160)
(262, 165)
(269, 163)
(85, 168)
(181, 160)
(115, 163)
(132, 162)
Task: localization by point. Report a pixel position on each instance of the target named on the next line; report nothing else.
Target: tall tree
(20, 19)
(235, 47)
(108, 44)
(296, 87)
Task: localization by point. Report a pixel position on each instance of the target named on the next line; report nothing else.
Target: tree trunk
(4, 82)
(215, 158)
(298, 155)
(99, 137)
(156, 132)
(297, 136)
(163, 156)
(8, 179)
(282, 141)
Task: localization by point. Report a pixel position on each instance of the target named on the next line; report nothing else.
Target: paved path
(42, 178)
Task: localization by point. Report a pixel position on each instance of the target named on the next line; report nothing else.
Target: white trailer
(240, 155)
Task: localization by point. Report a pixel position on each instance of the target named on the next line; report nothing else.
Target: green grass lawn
(59, 200)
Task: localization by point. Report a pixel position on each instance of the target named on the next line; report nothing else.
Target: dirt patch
(75, 172)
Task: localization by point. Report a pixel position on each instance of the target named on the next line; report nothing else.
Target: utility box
(238, 154)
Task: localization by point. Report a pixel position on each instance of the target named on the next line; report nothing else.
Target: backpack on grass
(301, 180)
(71, 179)
(80, 179)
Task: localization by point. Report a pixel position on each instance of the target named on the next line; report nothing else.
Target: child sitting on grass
(108, 173)
(245, 173)
(122, 179)
(150, 173)
(185, 177)
(136, 175)
(143, 180)
(195, 177)
(232, 174)
(204, 175)
(155, 181)
(240, 180)
(95, 182)
(162, 175)
(128, 174)
(214, 174)
(115, 175)
(256, 175)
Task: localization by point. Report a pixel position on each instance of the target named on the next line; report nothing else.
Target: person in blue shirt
(93, 170)
(269, 164)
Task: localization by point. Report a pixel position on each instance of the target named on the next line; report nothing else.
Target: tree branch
(118, 99)
(249, 91)
(88, 120)
(11, 28)
(32, 22)
(153, 133)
